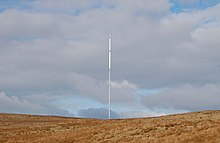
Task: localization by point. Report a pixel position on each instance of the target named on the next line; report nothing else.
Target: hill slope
(191, 127)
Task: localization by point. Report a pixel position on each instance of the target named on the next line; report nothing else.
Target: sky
(54, 57)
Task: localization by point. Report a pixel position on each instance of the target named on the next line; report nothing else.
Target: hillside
(190, 127)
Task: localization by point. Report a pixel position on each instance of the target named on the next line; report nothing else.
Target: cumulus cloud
(61, 46)
(186, 97)
(14, 104)
(77, 44)
(123, 92)
(123, 84)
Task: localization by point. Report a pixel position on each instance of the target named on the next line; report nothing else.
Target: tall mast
(109, 76)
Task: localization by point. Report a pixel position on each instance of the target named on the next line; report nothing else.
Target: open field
(191, 127)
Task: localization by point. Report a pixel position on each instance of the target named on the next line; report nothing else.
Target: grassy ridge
(190, 127)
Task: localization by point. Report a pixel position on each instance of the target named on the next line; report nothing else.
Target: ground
(194, 127)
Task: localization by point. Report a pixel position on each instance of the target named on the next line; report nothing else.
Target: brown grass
(183, 128)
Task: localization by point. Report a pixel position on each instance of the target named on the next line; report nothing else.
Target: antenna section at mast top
(110, 42)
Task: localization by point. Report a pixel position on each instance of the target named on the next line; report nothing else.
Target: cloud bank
(59, 49)
(187, 97)
(13, 104)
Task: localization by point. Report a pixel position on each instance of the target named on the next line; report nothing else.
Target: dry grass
(183, 128)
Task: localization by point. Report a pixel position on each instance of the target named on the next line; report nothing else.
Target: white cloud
(123, 92)
(186, 97)
(123, 84)
(54, 51)
(18, 25)
(14, 104)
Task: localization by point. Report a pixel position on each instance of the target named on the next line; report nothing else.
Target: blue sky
(189, 5)
(177, 5)
(54, 56)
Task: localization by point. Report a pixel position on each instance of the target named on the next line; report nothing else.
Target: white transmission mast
(109, 75)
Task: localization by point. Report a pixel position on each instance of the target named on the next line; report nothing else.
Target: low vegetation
(194, 127)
